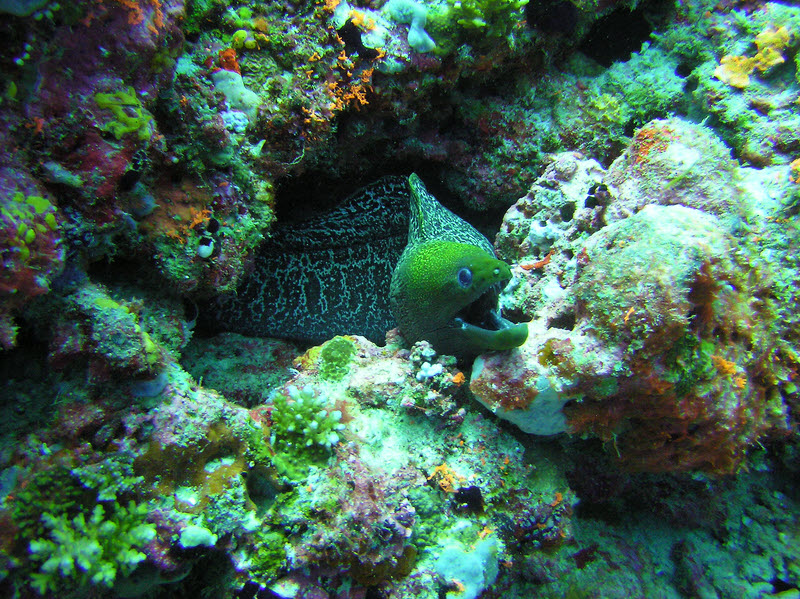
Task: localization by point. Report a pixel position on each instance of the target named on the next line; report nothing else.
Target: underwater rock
(542, 236)
(659, 342)
(669, 334)
(530, 387)
(243, 369)
(566, 201)
(31, 246)
(676, 162)
(104, 335)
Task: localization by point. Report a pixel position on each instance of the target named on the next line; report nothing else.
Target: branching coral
(304, 418)
(83, 552)
(305, 427)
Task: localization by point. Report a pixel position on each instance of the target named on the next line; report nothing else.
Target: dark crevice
(564, 321)
(552, 16)
(614, 37)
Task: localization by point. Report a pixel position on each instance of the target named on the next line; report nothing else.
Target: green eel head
(446, 293)
(447, 281)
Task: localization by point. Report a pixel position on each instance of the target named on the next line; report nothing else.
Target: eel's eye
(465, 277)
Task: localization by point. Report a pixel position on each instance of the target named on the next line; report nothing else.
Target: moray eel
(447, 281)
(388, 255)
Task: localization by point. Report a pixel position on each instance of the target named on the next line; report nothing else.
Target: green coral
(27, 217)
(111, 478)
(335, 357)
(492, 18)
(304, 419)
(270, 556)
(78, 535)
(646, 86)
(82, 552)
(478, 22)
(305, 427)
(258, 450)
(37, 497)
(229, 510)
(130, 115)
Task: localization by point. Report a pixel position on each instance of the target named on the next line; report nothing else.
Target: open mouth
(483, 313)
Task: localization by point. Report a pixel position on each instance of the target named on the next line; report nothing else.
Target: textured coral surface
(637, 165)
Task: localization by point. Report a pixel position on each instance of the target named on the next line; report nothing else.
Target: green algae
(129, 114)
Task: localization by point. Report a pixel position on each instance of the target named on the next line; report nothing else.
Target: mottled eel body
(389, 254)
(328, 275)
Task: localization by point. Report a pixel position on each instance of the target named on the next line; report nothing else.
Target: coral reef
(673, 162)
(32, 255)
(657, 324)
(637, 165)
(83, 553)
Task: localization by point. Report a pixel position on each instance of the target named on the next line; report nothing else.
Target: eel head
(446, 293)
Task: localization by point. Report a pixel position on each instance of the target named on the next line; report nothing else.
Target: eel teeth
(482, 312)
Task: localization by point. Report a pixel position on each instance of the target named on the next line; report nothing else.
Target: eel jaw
(482, 312)
(480, 322)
